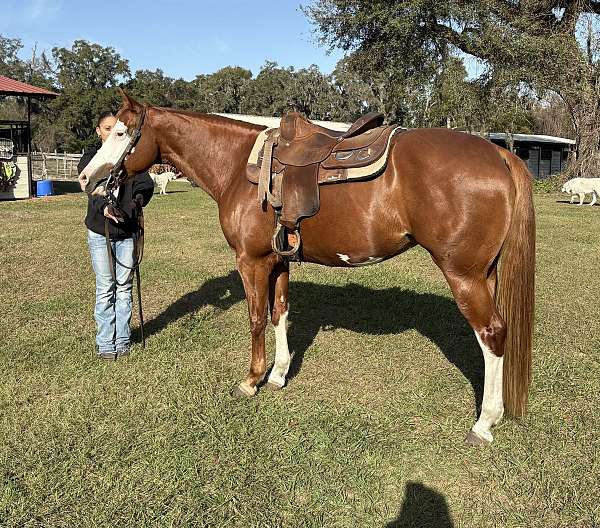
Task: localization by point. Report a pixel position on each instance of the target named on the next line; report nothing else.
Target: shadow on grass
(220, 292)
(374, 312)
(422, 507)
(66, 187)
(576, 202)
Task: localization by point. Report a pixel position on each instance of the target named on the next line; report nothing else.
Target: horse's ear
(128, 101)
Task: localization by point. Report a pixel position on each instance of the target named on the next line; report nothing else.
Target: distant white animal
(582, 186)
(161, 180)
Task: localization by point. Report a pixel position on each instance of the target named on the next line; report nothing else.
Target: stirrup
(280, 251)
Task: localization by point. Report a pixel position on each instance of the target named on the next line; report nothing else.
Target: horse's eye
(120, 134)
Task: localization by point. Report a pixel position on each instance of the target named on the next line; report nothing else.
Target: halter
(115, 176)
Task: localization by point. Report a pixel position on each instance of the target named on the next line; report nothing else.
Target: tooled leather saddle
(290, 162)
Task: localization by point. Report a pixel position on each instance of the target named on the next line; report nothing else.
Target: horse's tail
(515, 292)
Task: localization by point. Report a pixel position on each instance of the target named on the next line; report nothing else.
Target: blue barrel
(44, 188)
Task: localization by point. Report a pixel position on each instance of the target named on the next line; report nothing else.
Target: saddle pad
(324, 176)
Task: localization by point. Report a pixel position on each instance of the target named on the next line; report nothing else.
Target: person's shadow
(376, 312)
(422, 507)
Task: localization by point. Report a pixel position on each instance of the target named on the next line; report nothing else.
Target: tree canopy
(404, 58)
(544, 45)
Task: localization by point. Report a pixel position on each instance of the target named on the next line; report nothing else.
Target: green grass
(369, 431)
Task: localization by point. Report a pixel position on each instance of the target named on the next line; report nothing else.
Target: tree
(10, 63)
(534, 42)
(87, 75)
(267, 93)
(222, 91)
(356, 96)
(152, 87)
(312, 93)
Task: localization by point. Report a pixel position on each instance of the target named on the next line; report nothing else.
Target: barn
(544, 155)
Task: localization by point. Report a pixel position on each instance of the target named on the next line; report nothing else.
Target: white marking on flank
(368, 262)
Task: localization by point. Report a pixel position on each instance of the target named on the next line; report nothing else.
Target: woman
(113, 298)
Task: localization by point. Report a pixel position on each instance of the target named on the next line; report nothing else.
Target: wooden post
(29, 164)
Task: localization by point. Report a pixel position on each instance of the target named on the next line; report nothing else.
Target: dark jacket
(141, 184)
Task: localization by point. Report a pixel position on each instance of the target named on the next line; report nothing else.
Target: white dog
(161, 180)
(582, 186)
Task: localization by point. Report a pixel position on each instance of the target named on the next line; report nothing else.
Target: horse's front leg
(255, 274)
(278, 301)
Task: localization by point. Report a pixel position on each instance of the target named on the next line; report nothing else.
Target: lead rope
(138, 255)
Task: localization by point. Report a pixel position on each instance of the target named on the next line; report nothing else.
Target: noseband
(115, 176)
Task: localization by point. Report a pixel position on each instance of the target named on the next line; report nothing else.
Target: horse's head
(131, 117)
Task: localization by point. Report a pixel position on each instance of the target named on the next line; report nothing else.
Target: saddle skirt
(290, 162)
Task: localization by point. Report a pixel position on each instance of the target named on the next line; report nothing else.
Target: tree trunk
(585, 161)
(510, 141)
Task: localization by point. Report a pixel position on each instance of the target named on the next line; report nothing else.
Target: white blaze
(110, 152)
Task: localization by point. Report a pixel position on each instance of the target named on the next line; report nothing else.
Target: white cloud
(43, 8)
(221, 45)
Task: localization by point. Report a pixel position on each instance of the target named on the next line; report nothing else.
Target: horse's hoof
(473, 439)
(274, 386)
(243, 390)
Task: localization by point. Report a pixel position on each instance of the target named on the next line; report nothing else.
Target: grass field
(369, 431)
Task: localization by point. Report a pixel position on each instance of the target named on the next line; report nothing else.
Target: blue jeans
(113, 302)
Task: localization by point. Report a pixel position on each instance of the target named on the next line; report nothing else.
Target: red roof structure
(12, 87)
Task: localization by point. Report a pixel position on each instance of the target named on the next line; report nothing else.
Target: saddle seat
(303, 143)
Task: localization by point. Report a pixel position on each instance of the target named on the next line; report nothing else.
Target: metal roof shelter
(544, 155)
(11, 87)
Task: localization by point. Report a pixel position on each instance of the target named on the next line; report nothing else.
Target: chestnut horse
(465, 200)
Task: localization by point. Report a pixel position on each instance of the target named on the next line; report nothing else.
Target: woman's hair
(103, 116)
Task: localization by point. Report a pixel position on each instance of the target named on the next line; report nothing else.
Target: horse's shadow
(353, 307)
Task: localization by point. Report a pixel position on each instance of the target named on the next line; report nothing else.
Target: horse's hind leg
(278, 301)
(594, 198)
(474, 298)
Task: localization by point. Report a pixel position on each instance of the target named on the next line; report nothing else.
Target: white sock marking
(282, 353)
(492, 407)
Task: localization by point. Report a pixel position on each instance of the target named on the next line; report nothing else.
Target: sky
(183, 38)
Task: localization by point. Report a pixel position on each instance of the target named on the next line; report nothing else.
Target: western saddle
(290, 162)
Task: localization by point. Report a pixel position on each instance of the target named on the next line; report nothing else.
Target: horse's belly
(352, 232)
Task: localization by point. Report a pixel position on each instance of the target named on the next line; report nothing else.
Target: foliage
(8, 175)
(87, 75)
(222, 91)
(545, 46)
(549, 185)
(405, 68)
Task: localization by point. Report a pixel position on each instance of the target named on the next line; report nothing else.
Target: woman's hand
(83, 181)
(113, 214)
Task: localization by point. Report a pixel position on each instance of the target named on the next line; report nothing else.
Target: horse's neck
(208, 149)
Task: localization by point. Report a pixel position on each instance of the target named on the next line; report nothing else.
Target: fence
(54, 166)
